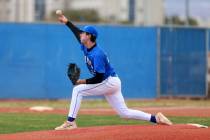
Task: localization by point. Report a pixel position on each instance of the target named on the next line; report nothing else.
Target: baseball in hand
(59, 12)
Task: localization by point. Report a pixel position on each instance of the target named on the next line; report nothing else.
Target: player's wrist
(65, 20)
(81, 81)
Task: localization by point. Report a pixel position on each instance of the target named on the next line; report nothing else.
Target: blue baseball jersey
(97, 61)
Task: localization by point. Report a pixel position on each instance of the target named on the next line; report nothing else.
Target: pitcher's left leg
(77, 94)
(85, 90)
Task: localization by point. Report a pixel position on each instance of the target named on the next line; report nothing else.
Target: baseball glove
(73, 73)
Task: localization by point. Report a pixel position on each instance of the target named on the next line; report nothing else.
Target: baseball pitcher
(105, 81)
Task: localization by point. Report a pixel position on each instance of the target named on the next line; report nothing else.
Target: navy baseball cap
(91, 30)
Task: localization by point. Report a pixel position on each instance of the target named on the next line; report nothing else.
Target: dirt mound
(129, 132)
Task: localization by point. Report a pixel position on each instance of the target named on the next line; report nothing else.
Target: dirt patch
(169, 111)
(131, 132)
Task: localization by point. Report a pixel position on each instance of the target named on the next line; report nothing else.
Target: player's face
(84, 37)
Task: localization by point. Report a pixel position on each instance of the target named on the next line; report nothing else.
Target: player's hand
(81, 81)
(62, 19)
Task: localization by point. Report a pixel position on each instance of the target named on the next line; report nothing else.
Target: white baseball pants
(111, 89)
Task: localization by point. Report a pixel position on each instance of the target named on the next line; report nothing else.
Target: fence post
(158, 60)
(207, 63)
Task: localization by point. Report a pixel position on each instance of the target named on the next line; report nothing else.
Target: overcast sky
(198, 8)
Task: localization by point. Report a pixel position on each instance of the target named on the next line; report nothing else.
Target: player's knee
(76, 91)
(78, 88)
(124, 113)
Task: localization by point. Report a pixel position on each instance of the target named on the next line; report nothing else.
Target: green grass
(100, 103)
(23, 122)
(16, 122)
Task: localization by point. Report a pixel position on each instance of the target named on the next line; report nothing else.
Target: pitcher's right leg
(116, 100)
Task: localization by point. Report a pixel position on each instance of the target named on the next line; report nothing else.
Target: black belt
(113, 74)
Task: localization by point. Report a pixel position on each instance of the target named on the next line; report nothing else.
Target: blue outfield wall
(34, 59)
(183, 62)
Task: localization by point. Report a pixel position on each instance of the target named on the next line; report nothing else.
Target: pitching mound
(150, 132)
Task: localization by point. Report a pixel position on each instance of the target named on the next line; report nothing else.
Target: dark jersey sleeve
(98, 78)
(76, 31)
